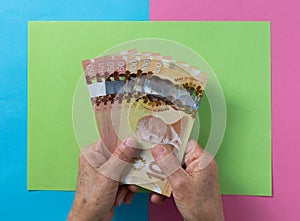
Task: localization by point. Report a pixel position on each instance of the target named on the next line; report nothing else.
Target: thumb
(170, 165)
(117, 162)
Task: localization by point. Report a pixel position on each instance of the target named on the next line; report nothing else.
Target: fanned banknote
(147, 96)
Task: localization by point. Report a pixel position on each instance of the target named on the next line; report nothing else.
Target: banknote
(96, 70)
(147, 96)
(152, 119)
(160, 110)
(107, 79)
(94, 80)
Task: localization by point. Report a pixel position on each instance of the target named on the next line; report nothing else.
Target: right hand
(195, 190)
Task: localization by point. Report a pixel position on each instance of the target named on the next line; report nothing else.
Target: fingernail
(158, 150)
(119, 201)
(131, 142)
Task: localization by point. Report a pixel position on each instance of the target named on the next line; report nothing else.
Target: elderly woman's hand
(196, 189)
(98, 187)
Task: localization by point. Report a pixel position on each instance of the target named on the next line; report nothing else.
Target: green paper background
(238, 52)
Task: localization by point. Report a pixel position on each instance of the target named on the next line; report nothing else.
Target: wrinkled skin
(96, 194)
(195, 190)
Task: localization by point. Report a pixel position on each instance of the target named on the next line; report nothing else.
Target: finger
(170, 166)
(129, 197)
(133, 188)
(122, 192)
(191, 145)
(157, 198)
(117, 162)
(205, 160)
(196, 158)
(93, 156)
(193, 152)
(130, 190)
(192, 167)
(103, 149)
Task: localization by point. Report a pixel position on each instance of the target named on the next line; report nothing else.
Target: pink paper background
(285, 37)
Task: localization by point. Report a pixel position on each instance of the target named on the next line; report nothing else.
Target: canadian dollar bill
(149, 97)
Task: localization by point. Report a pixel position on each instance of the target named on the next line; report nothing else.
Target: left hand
(98, 188)
(196, 189)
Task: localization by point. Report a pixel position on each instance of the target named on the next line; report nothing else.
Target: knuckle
(123, 155)
(169, 164)
(179, 184)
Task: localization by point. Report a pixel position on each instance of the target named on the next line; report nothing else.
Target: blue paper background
(16, 202)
